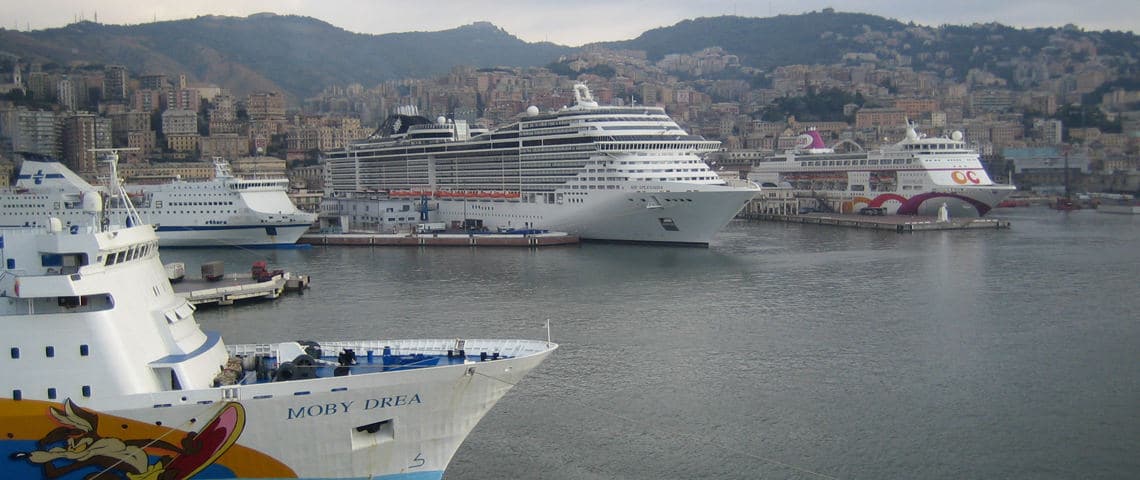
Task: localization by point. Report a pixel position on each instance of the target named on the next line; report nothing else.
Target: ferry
(225, 211)
(616, 173)
(105, 373)
(916, 176)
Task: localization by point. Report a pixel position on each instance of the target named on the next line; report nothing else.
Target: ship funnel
(910, 133)
(582, 96)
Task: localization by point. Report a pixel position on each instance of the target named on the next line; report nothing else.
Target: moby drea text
(334, 408)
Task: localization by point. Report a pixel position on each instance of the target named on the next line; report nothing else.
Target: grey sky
(572, 22)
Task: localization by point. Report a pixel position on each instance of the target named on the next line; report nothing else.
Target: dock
(238, 287)
(532, 240)
(894, 223)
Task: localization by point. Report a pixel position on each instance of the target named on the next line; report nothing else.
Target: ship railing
(367, 348)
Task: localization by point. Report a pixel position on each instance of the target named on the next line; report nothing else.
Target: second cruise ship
(919, 175)
(621, 173)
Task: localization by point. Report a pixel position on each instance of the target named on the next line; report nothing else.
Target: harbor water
(781, 351)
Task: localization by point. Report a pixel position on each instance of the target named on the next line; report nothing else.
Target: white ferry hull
(299, 428)
(199, 234)
(230, 236)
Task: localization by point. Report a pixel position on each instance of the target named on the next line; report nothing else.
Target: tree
(824, 106)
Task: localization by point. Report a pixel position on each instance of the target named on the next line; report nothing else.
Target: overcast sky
(570, 22)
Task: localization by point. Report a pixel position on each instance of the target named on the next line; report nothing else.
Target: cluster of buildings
(1002, 119)
(1011, 120)
(167, 127)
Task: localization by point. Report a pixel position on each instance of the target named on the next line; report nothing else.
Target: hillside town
(1053, 121)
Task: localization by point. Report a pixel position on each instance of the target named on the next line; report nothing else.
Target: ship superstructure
(619, 173)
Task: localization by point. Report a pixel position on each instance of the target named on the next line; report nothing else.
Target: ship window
(84, 350)
(15, 352)
(87, 390)
(51, 393)
(51, 260)
(17, 395)
(49, 351)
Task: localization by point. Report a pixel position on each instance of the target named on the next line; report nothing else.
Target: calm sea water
(782, 351)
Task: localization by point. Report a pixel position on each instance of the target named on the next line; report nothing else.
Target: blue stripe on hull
(253, 246)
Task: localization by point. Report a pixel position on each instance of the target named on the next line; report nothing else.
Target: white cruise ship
(626, 174)
(105, 373)
(225, 211)
(915, 176)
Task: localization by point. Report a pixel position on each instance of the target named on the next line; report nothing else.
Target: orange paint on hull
(32, 420)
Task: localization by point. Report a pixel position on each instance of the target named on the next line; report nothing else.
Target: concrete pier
(238, 287)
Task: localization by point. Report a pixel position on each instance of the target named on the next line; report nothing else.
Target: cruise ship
(916, 176)
(225, 211)
(105, 373)
(619, 173)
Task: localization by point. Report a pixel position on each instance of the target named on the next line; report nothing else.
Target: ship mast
(115, 184)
